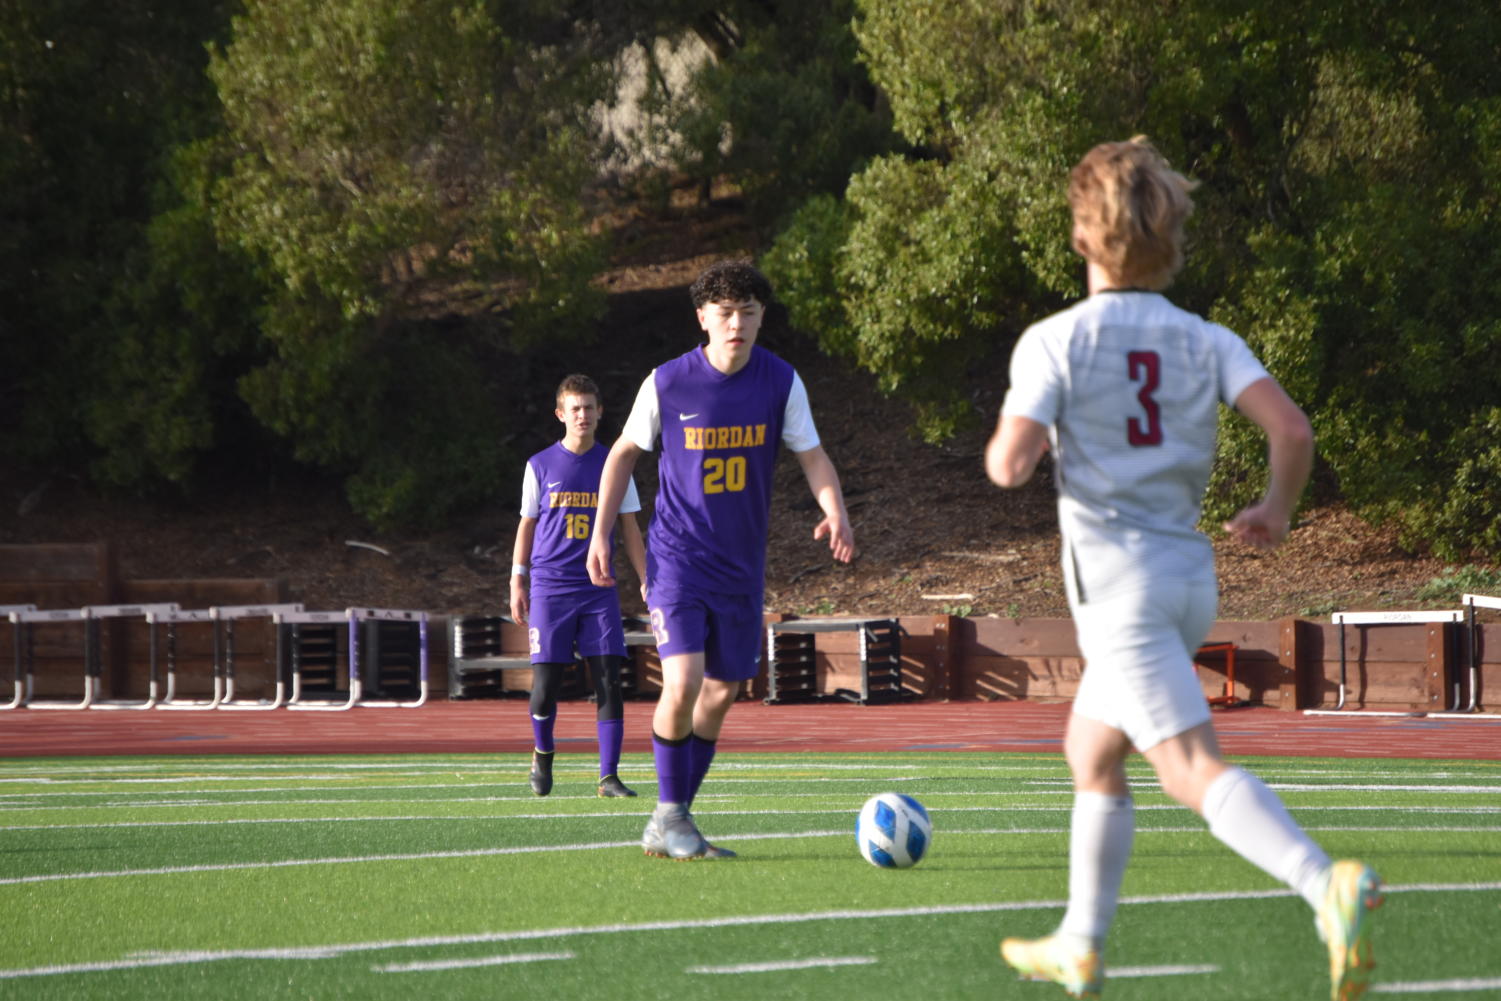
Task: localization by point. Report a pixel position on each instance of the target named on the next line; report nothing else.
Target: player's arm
(1014, 450)
(612, 482)
(823, 480)
(1289, 436)
(635, 547)
(521, 556)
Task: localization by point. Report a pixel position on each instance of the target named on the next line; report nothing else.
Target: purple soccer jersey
(568, 493)
(719, 439)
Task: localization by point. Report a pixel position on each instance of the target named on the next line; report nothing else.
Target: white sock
(1099, 846)
(1250, 818)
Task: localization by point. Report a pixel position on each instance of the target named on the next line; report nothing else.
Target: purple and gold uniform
(706, 547)
(561, 491)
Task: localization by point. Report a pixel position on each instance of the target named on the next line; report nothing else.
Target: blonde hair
(1129, 208)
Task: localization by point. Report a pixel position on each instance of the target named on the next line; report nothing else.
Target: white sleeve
(531, 494)
(1239, 366)
(798, 432)
(631, 502)
(644, 424)
(1035, 375)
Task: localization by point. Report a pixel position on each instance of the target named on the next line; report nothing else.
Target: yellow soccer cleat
(1344, 924)
(1081, 974)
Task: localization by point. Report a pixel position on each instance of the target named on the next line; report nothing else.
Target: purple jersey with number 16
(720, 435)
(567, 495)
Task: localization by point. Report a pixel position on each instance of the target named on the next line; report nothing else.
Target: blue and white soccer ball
(893, 831)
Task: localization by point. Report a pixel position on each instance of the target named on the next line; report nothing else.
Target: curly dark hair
(730, 281)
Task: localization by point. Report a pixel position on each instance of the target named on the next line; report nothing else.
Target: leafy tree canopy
(1345, 224)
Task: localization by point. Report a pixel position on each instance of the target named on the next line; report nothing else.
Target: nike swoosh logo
(559, 483)
(686, 417)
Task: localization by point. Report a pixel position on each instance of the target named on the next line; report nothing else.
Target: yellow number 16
(724, 474)
(578, 526)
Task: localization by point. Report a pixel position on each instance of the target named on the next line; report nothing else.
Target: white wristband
(519, 570)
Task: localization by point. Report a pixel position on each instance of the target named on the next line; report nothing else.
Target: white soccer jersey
(1129, 386)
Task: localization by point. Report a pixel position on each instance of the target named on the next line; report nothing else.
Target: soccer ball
(893, 831)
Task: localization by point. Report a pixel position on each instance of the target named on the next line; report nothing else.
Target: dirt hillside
(933, 535)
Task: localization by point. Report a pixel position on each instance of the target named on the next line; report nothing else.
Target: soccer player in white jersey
(718, 415)
(1124, 388)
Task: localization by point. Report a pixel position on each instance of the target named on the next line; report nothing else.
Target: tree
(387, 155)
(1350, 177)
(92, 96)
(782, 108)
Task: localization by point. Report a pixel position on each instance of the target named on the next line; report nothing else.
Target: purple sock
(673, 767)
(700, 757)
(611, 733)
(542, 733)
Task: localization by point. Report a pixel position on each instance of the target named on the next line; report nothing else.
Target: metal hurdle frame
(358, 615)
(18, 697)
(169, 699)
(295, 700)
(1472, 656)
(23, 623)
(224, 618)
(1342, 619)
(93, 614)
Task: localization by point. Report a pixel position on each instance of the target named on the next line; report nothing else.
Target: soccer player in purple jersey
(1125, 389)
(720, 412)
(565, 610)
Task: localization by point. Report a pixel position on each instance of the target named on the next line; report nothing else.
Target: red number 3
(1145, 367)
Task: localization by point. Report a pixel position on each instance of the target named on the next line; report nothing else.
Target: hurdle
(1343, 619)
(94, 613)
(372, 619)
(224, 618)
(320, 650)
(24, 621)
(92, 661)
(172, 619)
(791, 656)
(1472, 656)
(18, 697)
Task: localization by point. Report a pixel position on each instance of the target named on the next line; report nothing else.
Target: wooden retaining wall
(1289, 664)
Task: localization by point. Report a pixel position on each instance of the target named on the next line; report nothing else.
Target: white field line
(779, 966)
(1033, 786)
(499, 763)
(1472, 985)
(465, 964)
(24, 802)
(334, 950)
(601, 845)
(634, 816)
(1117, 972)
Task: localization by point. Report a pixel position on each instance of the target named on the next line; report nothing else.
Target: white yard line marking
(1117, 972)
(778, 966)
(600, 845)
(331, 951)
(465, 964)
(837, 810)
(1465, 986)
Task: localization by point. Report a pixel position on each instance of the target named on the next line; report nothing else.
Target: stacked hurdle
(1461, 687)
(305, 643)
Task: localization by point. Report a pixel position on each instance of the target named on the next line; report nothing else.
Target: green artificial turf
(441, 876)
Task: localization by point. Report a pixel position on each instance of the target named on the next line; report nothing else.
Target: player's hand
(841, 537)
(520, 603)
(1259, 527)
(601, 573)
(643, 591)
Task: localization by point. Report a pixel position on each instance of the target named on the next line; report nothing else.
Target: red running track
(501, 726)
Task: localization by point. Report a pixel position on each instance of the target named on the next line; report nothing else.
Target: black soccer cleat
(541, 773)
(610, 787)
